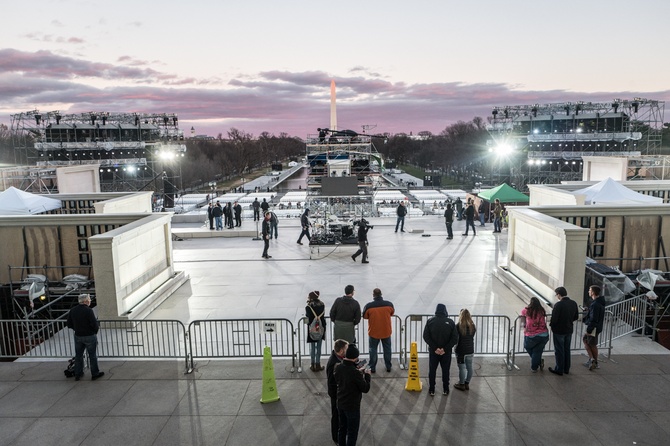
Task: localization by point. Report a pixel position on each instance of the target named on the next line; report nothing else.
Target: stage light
(166, 155)
(503, 149)
(530, 162)
(131, 168)
(536, 131)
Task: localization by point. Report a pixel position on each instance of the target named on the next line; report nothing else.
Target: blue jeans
(444, 361)
(562, 352)
(482, 219)
(273, 228)
(219, 223)
(534, 345)
(386, 345)
(400, 221)
(465, 369)
(350, 421)
(469, 223)
(496, 224)
(90, 344)
(315, 351)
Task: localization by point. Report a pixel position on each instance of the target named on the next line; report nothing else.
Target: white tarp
(14, 201)
(611, 192)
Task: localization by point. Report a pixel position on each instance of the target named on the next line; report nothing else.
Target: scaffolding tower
(131, 149)
(546, 142)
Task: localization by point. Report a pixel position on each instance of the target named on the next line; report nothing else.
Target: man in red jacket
(378, 313)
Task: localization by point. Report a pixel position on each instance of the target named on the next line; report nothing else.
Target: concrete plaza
(625, 402)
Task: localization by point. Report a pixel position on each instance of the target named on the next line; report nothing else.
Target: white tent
(610, 192)
(14, 201)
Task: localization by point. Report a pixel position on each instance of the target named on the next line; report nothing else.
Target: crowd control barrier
(492, 336)
(41, 338)
(241, 338)
(246, 338)
(362, 340)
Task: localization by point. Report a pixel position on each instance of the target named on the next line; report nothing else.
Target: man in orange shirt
(378, 313)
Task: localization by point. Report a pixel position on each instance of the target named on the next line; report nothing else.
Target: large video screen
(339, 186)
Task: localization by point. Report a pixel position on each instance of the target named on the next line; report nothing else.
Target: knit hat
(314, 295)
(441, 309)
(352, 352)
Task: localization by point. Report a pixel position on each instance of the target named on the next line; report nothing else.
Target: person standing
(564, 314)
(363, 229)
(535, 333)
(210, 216)
(345, 315)
(449, 220)
(228, 215)
(336, 357)
(401, 211)
(217, 212)
(257, 209)
(352, 383)
(497, 216)
(274, 223)
(265, 206)
(265, 232)
(441, 335)
(82, 320)
(465, 349)
(594, 320)
(315, 308)
(304, 223)
(379, 313)
(459, 208)
(237, 208)
(482, 212)
(470, 218)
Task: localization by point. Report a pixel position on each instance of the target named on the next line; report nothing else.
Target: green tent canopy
(504, 193)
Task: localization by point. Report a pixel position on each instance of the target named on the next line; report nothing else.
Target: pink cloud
(274, 101)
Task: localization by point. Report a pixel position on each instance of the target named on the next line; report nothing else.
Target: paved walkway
(154, 403)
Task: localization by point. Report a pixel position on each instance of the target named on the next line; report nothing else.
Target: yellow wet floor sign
(269, 393)
(413, 380)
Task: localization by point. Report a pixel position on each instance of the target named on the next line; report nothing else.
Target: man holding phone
(352, 383)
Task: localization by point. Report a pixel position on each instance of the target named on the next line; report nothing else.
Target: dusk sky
(267, 66)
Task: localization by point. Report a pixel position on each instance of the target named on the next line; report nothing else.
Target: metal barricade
(628, 316)
(579, 329)
(35, 338)
(362, 340)
(116, 339)
(241, 338)
(143, 339)
(492, 337)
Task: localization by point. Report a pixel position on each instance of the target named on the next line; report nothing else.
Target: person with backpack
(316, 329)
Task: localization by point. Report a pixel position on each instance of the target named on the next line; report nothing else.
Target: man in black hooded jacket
(441, 335)
(594, 325)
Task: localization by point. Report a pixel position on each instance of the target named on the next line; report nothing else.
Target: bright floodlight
(503, 149)
(167, 155)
